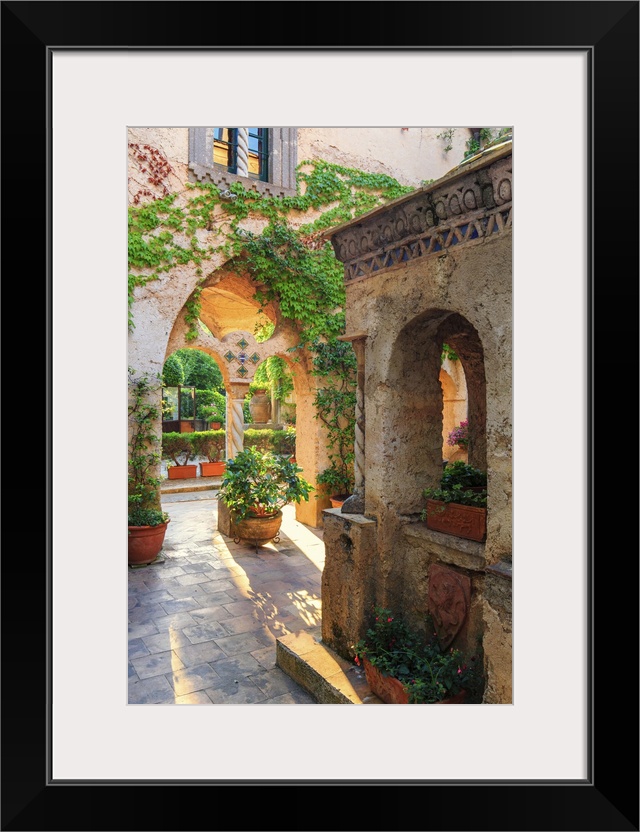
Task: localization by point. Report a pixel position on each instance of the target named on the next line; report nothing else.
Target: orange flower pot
(469, 522)
(182, 472)
(145, 543)
(212, 469)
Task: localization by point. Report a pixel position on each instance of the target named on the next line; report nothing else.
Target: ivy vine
(306, 281)
(304, 278)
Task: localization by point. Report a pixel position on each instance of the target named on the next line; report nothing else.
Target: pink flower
(389, 619)
(356, 660)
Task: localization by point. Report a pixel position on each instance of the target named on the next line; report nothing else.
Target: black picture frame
(608, 799)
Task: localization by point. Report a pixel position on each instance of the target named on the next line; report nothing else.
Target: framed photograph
(564, 755)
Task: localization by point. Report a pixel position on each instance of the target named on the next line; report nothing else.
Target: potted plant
(210, 443)
(405, 668)
(177, 448)
(147, 522)
(338, 481)
(255, 487)
(213, 415)
(459, 505)
(459, 435)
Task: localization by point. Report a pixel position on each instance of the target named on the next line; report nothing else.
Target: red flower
(389, 620)
(356, 660)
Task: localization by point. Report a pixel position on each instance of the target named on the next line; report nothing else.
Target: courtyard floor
(204, 618)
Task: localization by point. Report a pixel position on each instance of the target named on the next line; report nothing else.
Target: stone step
(192, 484)
(329, 678)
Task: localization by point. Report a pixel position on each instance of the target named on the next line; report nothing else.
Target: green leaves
(257, 483)
(308, 284)
(428, 673)
(144, 442)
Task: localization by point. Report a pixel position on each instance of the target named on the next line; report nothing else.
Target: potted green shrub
(210, 443)
(338, 480)
(178, 450)
(212, 414)
(405, 668)
(147, 522)
(459, 505)
(255, 487)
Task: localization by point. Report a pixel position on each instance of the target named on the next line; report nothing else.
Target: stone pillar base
(350, 542)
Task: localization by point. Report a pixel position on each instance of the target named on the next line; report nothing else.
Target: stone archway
(230, 315)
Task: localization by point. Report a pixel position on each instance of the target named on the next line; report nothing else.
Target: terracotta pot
(212, 469)
(469, 522)
(387, 688)
(216, 425)
(182, 472)
(145, 543)
(338, 499)
(391, 690)
(256, 530)
(260, 406)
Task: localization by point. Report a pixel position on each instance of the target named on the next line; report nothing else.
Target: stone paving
(204, 618)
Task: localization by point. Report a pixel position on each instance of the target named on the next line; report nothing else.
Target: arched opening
(416, 400)
(194, 393)
(454, 405)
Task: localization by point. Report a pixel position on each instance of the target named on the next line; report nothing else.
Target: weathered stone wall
(429, 269)
(498, 640)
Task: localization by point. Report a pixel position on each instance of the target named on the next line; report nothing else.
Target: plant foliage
(460, 483)
(335, 405)
(144, 456)
(428, 673)
(260, 484)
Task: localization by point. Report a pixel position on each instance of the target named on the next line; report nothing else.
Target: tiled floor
(203, 620)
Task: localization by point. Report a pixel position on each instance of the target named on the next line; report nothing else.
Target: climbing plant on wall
(302, 276)
(164, 234)
(335, 404)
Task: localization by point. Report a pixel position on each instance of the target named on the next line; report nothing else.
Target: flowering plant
(460, 435)
(427, 673)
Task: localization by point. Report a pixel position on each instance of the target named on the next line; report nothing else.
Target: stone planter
(469, 522)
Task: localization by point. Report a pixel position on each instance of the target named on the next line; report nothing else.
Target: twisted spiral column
(355, 504)
(242, 151)
(235, 419)
(358, 464)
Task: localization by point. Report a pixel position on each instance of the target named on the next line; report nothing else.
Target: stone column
(242, 151)
(235, 417)
(355, 503)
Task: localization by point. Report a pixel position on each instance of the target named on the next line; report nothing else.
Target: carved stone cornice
(463, 210)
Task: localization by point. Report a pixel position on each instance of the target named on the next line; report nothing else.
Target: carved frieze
(467, 209)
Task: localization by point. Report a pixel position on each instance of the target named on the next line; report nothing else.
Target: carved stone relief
(448, 602)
